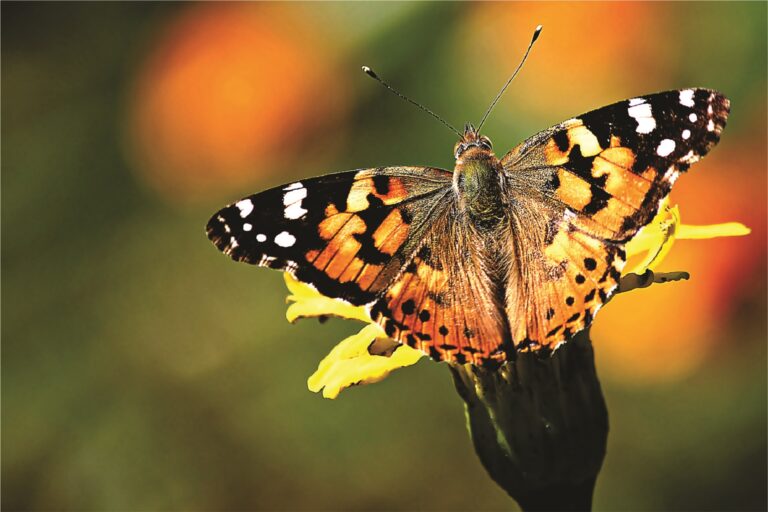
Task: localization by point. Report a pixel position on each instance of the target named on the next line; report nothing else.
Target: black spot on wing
(372, 217)
(408, 307)
(600, 197)
(561, 139)
(600, 128)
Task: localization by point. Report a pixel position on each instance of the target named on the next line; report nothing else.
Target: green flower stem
(539, 425)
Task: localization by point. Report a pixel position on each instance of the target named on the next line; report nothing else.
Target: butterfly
(500, 255)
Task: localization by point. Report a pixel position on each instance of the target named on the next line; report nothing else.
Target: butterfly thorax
(477, 179)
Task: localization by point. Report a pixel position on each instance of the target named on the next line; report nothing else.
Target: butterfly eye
(485, 143)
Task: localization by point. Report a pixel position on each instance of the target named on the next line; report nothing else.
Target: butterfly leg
(632, 281)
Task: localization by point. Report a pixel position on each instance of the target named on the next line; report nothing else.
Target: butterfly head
(472, 144)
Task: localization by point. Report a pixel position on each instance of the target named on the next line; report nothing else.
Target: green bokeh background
(143, 371)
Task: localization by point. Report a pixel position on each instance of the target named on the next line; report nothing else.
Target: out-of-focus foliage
(143, 370)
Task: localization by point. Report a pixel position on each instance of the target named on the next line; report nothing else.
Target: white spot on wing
(672, 174)
(247, 227)
(266, 260)
(261, 237)
(686, 134)
(294, 211)
(294, 186)
(710, 126)
(292, 201)
(686, 97)
(636, 101)
(233, 243)
(285, 239)
(245, 206)
(644, 117)
(689, 158)
(692, 117)
(666, 147)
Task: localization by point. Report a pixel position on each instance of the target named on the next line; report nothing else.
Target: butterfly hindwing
(446, 302)
(346, 234)
(584, 188)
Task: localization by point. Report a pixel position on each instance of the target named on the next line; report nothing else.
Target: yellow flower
(656, 239)
(351, 361)
(369, 356)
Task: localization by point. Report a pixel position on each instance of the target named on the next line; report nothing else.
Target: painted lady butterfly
(517, 253)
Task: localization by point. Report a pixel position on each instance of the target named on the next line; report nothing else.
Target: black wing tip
(218, 232)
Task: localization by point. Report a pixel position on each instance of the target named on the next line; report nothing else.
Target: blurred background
(143, 370)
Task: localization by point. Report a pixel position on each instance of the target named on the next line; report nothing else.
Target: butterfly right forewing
(584, 188)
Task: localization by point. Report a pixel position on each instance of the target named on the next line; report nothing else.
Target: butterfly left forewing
(347, 234)
(584, 188)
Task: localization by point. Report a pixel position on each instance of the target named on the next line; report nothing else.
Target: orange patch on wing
(342, 242)
(312, 255)
(357, 200)
(396, 192)
(620, 156)
(554, 251)
(585, 139)
(343, 258)
(352, 270)
(573, 191)
(650, 174)
(369, 275)
(391, 233)
(552, 154)
(331, 210)
(612, 216)
(621, 182)
(328, 228)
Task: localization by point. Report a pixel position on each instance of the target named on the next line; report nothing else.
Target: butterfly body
(478, 180)
(498, 256)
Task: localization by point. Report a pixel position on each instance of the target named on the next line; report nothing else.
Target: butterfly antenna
(368, 71)
(496, 99)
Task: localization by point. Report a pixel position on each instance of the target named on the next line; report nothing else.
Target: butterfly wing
(448, 302)
(390, 239)
(582, 189)
(347, 234)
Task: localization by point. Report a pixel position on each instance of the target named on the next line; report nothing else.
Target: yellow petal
(308, 302)
(349, 363)
(712, 231)
(657, 238)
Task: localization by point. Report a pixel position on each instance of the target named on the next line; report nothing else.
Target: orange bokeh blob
(580, 64)
(229, 92)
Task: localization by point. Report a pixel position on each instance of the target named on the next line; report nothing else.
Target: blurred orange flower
(500, 32)
(228, 91)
